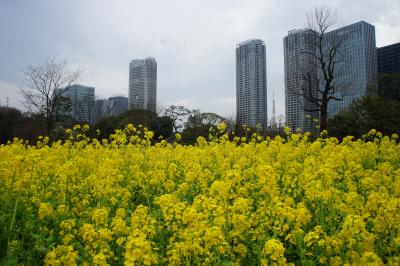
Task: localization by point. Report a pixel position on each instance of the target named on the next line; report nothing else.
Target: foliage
(364, 114)
(9, 119)
(13, 123)
(379, 109)
(389, 86)
(198, 119)
(161, 126)
(248, 201)
(177, 114)
(198, 124)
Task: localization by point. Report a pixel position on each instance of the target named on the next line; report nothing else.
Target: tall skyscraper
(143, 84)
(389, 58)
(299, 60)
(357, 68)
(81, 100)
(251, 84)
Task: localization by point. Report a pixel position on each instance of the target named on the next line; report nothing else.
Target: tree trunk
(49, 126)
(323, 115)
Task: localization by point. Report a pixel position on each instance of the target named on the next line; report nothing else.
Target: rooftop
(250, 41)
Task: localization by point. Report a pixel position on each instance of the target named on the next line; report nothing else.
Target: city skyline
(194, 52)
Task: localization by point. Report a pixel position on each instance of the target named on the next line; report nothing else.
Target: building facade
(251, 84)
(81, 102)
(299, 61)
(101, 109)
(118, 105)
(389, 59)
(113, 106)
(143, 84)
(388, 70)
(356, 70)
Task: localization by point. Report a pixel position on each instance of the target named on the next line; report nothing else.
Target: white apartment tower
(143, 84)
(300, 63)
(251, 84)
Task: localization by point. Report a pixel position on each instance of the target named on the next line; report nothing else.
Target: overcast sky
(193, 42)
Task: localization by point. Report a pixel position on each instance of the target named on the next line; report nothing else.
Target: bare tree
(177, 114)
(43, 93)
(319, 87)
(160, 109)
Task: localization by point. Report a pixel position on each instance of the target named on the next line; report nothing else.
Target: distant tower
(273, 119)
(251, 84)
(143, 84)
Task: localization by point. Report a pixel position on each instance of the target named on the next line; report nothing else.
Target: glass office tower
(389, 58)
(81, 102)
(356, 69)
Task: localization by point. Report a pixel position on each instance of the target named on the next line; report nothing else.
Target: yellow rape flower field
(246, 201)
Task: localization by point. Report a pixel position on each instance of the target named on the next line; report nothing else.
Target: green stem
(12, 220)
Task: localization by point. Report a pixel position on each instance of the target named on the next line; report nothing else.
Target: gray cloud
(192, 41)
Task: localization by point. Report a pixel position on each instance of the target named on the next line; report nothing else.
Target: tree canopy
(379, 110)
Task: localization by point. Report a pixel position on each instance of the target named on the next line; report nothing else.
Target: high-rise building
(389, 58)
(251, 84)
(299, 61)
(143, 84)
(112, 106)
(81, 102)
(356, 70)
(118, 105)
(101, 109)
(388, 69)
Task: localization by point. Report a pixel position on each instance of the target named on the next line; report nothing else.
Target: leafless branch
(40, 94)
(321, 89)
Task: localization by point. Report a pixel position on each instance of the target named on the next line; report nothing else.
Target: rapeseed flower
(248, 201)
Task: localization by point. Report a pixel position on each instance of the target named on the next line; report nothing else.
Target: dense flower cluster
(246, 201)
